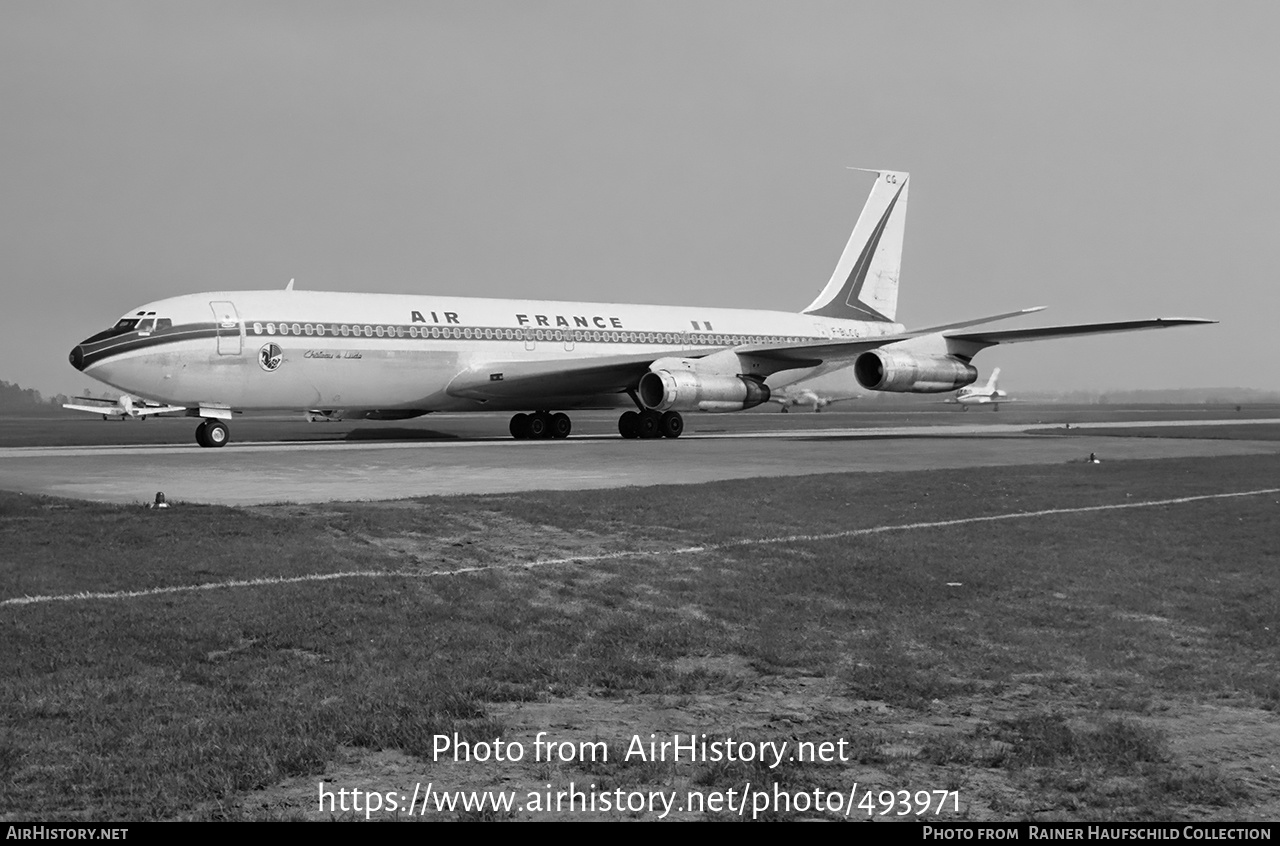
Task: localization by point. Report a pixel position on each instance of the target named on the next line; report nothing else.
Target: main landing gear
(650, 424)
(541, 425)
(212, 433)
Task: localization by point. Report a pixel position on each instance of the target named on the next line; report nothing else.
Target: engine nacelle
(904, 373)
(685, 390)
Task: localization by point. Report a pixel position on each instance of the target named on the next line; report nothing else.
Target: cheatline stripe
(614, 556)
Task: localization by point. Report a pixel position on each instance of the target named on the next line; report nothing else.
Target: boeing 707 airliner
(392, 357)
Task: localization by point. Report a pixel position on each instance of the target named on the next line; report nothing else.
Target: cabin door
(230, 328)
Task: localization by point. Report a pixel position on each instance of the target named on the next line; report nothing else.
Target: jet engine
(902, 372)
(686, 390)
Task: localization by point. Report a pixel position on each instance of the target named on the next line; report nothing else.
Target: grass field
(1255, 432)
(1105, 664)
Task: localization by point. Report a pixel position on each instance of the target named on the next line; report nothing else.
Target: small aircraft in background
(987, 394)
(791, 396)
(124, 408)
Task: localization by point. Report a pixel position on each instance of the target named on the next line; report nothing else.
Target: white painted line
(613, 556)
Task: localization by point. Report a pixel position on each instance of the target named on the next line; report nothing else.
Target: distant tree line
(1157, 396)
(16, 396)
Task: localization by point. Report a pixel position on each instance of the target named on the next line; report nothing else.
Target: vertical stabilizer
(864, 285)
(991, 383)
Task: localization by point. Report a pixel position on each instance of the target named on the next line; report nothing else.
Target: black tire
(671, 425)
(629, 425)
(201, 436)
(561, 425)
(539, 426)
(216, 433)
(519, 427)
(650, 425)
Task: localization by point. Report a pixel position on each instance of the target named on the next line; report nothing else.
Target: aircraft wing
(788, 356)
(553, 377)
(148, 410)
(964, 324)
(141, 408)
(812, 354)
(784, 356)
(615, 374)
(1013, 336)
(108, 408)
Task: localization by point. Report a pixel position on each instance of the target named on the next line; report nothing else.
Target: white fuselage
(300, 350)
(979, 396)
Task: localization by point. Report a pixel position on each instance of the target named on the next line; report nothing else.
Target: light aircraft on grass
(124, 408)
(988, 394)
(393, 357)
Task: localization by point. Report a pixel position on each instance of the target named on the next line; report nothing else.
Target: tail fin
(991, 383)
(864, 285)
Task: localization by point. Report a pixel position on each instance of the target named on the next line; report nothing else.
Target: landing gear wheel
(561, 425)
(217, 433)
(520, 427)
(539, 426)
(629, 425)
(650, 425)
(671, 424)
(212, 433)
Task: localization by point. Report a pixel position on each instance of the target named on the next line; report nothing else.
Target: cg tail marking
(874, 254)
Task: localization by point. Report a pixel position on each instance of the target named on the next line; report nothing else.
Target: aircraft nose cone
(77, 357)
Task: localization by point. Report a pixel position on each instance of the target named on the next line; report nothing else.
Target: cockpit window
(125, 326)
(163, 323)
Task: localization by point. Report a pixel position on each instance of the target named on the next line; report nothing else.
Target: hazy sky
(1108, 160)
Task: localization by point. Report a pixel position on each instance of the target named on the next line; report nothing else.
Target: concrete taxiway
(257, 473)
